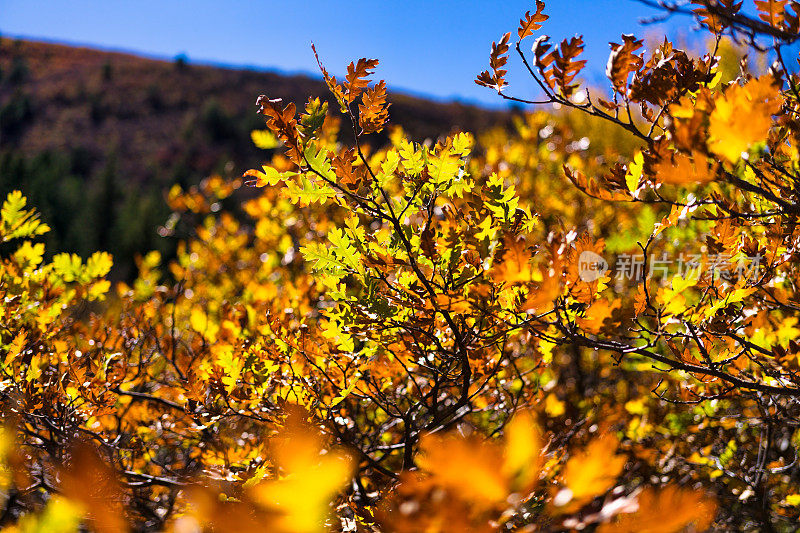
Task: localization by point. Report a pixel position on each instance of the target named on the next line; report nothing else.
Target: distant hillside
(94, 138)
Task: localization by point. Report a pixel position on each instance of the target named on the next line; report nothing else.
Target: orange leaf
(596, 315)
(89, 481)
(469, 467)
(685, 507)
(497, 59)
(374, 111)
(684, 169)
(530, 23)
(591, 472)
(514, 265)
(356, 77)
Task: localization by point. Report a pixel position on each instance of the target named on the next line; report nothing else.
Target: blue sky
(433, 47)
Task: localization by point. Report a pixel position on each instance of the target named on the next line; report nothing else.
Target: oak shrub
(404, 338)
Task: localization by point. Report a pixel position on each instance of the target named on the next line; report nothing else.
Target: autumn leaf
(497, 60)
(623, 61)
(522, 460)
(309, 478)
(485, 472)
(92, 484)
(771, 11)
(541, 296)
(349, 176)
(469, 467)
(269, 177)
(530, 23)
(356, 79)
(684, 169)
(513, 265)
(15, 348)
(687, 508)
(742, 117)
(591, 187)
(564, 66)
(373, 111)
(264, 139)
(716, 22)
(590, 472)
(596, 315)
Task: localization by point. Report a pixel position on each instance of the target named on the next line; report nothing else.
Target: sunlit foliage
(431, 336)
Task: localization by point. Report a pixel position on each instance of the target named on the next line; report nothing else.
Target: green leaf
(318, 161)
(313, 118)
(309, 192)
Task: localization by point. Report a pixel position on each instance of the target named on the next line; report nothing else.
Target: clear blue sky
(429, 47)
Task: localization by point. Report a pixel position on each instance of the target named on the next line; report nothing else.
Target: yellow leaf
(199, 322)
(264, 139)
(793, 500)
(680, 283)
(523, 445)
(30, 254)
(98, 289)
(99, 264)
(634, 173)
(300, 498)
(742, 117)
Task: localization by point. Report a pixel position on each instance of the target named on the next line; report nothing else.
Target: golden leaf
(596, 314)
(742, 117)
(310, 478)
(591, 472)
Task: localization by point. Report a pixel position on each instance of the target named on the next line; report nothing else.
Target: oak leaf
(497, 60)
(742, 117)
(514, 263)
(685, 508)
(590, 472)
(530, 23)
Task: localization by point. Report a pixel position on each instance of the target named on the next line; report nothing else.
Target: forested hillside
(95, 139)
